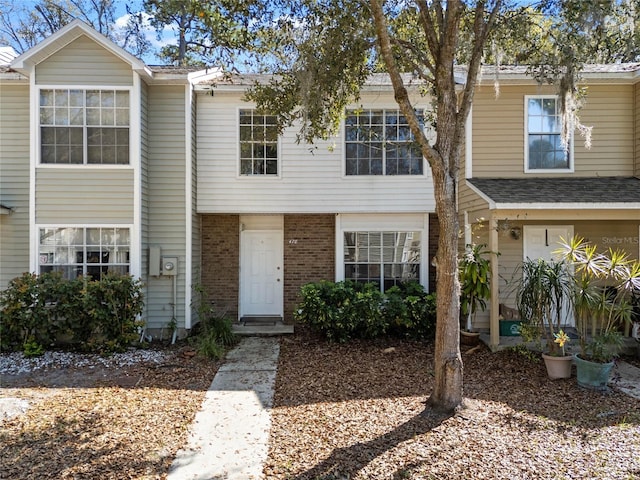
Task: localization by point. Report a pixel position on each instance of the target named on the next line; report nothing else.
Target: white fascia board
(481, 194)
(207, 75)
(567, 206)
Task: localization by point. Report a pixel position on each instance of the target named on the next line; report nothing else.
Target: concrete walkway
(230, 434)
(626, 378)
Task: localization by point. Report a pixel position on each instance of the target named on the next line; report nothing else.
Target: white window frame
(400, 222)
(85, 263)
(262, 176)
(570, 151)
(133, 97)
(384, 174)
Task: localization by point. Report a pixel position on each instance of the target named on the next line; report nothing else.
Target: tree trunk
(447, 390)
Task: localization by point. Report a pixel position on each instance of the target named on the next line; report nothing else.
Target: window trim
(133, 97)
(400, 222)
(254, 177)
(343, 135)
(132, 239)
(570, 152)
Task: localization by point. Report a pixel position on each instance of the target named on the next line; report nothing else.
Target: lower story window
(385, 258)
(84, 251)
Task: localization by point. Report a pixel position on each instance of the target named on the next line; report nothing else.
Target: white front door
(540, 242)
(261, 273)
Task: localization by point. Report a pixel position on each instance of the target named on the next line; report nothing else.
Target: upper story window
(544, 146)
(380, 142)
(84, 126)
(258, 144)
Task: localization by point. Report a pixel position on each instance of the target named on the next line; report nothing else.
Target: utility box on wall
(169, 266)
(154, 261)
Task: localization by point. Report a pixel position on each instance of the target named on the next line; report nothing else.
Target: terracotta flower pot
(558, 367)
(469, 338)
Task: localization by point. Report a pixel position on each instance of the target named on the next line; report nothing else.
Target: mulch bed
(103, 422)
(357, 411)
(351, 411)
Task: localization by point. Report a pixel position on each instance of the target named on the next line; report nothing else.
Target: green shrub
(411, 312)
(214, 331)
(346, 310)
(97, 315)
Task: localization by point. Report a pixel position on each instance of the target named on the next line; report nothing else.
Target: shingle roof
(560, 190)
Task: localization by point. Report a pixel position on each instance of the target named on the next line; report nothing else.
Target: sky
(121, 21)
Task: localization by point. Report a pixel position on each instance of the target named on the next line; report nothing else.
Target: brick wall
(309, 254)
(221, 261)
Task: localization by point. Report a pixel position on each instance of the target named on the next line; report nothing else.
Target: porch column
(494, 325)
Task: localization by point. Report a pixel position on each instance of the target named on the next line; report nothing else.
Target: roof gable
(63, 37)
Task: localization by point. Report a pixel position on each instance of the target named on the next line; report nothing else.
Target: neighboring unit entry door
(541, 242)
(261, 273)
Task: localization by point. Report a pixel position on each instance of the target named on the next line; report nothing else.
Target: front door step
(256, 320)
(261, 326)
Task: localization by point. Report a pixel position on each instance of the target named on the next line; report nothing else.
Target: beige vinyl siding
(498, 132)
(468, 199)
(14, 181)
(166, 198)
(84, 195)
(311, 178)
(83, 62)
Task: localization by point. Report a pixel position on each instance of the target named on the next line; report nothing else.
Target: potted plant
(473, 269)
(542, 299)
(559, 366)
(604, 285)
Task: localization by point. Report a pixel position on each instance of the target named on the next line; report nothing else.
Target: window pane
(76, 116)
(107, 117)
(108, 155)
(122, 155)
(61, 98)
(46, 116)
(122, 99)
(272, 167)
(122, 117)
(245, 167)
(93, 236)
(93, 98)
(46, 98)
(76, 98)
(93, 116)
(107, 99)
(62, 116)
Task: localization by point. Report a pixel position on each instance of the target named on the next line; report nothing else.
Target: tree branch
(401, 95)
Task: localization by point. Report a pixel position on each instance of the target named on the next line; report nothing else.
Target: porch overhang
(548, 199)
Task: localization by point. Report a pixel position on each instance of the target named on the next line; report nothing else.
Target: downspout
(175, 306)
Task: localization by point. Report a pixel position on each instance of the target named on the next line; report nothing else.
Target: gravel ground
(357, 411)
(353, 411)
(76, 416)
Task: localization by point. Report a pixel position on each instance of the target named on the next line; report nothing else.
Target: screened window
(385, 258)
(84, 251)
(84, 127)
(544, 148)
(380, 142)
(258, 144)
